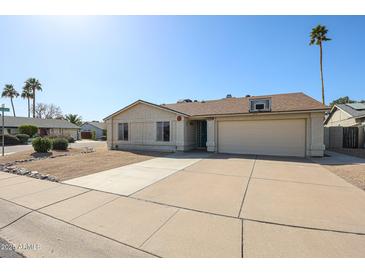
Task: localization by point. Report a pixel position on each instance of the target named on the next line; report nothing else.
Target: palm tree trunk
(12, 105)
(33, 102)
(320, 62)
(28, 107)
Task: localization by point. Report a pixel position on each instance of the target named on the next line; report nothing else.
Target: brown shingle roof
(279, 103)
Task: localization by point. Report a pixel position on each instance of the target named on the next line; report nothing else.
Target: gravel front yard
(78, 164)
(354, 174)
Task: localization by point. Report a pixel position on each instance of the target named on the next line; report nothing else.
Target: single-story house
(46, 127)
(345, 126)
(281, 124)
(97, 127)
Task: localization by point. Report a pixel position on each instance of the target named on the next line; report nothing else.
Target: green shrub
(23, 138)
(28, 129)
(59, 144)
(9, 140)
(93, 135)
(70, 139)
(41, 145)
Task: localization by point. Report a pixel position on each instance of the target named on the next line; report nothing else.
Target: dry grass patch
(81, 164)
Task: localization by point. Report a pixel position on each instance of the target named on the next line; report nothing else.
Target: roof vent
(229, 96)
(184, 101)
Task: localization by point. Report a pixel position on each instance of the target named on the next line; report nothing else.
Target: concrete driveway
(205, 205)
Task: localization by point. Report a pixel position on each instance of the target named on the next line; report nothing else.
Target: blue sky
(94, 65)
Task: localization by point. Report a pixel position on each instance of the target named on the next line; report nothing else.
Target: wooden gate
(350, 137)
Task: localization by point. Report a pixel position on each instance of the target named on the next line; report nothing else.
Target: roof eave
(260, 113)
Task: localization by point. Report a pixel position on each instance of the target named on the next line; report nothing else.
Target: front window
(163, 131)
(123, 131)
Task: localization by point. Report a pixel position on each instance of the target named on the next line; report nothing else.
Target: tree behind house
(74, 119)
(10, 92)
(27, 93)
(48, 111)
(34, 85)
(317, 37)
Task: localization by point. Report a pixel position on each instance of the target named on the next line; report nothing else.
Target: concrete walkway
(128, 179)
(216, 206)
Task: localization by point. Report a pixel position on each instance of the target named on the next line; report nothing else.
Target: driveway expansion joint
(167, 176)
(305, 227)
(95, 208)
(159, 228)
(14, 221)
(76, 195)
(79, 227)
(248, 184)
(299, 182)
(242, 244)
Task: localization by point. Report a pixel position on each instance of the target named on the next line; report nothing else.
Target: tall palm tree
(27, 94)
(34, 85)
(317, 37)
(74, 119)
(10, 92)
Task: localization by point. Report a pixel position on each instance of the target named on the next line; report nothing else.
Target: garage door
(268, 137)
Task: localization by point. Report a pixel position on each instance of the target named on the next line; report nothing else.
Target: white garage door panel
(268, 137)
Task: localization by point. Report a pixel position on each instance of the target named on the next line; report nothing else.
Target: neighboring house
(46, 127)
(282, 124)
(98, 127)
(349, 116)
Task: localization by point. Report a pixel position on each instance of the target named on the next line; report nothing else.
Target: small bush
(41, 145)
(9, 140)
(60, 144)
(70, 139)
(23, 138)
(93, 135)
(28, 129)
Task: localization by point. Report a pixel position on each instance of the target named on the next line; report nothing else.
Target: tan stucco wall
(141, 120)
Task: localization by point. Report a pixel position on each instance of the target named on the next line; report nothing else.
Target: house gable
(141, 102)
(338, 117)
(142, 112)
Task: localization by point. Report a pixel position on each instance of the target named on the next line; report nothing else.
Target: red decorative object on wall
(178, 118)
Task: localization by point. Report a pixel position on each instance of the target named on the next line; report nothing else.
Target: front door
(201, 134)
